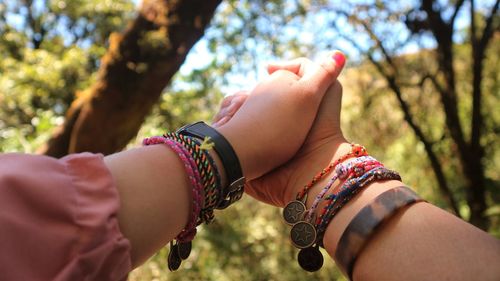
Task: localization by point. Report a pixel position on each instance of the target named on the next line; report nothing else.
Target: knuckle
(227, 100)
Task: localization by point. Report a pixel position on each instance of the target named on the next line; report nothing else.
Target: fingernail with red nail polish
(339, 58)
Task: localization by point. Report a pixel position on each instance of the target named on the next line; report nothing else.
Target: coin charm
(174, 261)
(303, 234)
(184, 249)
(293, 211)
(310, 259)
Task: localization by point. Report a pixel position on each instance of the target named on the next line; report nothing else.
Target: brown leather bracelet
(367, 221)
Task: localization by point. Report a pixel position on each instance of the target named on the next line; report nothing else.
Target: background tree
(52, 51)
(136, 68)
(437, 21)
(459, 123)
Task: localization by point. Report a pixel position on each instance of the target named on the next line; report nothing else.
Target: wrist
(241, 149)
(227, 158)
(317, 162)
(312, 162)
(340, 222)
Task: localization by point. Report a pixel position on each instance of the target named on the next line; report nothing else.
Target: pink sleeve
(58, 219)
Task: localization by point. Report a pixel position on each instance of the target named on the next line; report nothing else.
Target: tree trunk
(470, 153)
(138, 65)
(476, 192)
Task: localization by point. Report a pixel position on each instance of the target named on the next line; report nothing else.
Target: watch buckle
(237, 184)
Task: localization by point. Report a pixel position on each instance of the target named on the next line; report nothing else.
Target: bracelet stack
(354, 171)
(207, 191)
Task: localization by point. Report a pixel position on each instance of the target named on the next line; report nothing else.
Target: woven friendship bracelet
(356, 151)
(188, 234)
(215, 183)
(343, 171)
(350, 189)
(295, 210)
(205, 169)
(350, 186)
(367, 221)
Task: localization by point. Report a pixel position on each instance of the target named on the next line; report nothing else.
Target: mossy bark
(138, 65)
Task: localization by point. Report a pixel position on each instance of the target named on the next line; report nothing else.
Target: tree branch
(436, 165)
(408, 117)
(489, 28)
(455, 13)
(136, 68)
(378, 43)
(443, 34)
(473, 29)
(478, 51)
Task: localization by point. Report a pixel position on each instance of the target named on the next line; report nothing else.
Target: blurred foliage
(51, 52)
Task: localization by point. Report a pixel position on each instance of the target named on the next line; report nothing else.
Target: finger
(235, 105)
(321, 76)
(330, 107)
(298, 66)
(221, 122)
(235, 101)
(293, 66)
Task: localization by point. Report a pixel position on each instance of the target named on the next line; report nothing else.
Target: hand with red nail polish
(324, 138)
(268, 125)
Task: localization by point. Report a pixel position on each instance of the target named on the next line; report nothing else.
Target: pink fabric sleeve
(58, 220)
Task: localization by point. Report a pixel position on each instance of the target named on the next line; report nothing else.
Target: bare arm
(154, 197)
(422, 242)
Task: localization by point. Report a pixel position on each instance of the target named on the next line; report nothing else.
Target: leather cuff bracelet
(228, 157)
(367, 221)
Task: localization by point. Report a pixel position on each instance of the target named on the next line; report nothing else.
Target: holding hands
(303, 128)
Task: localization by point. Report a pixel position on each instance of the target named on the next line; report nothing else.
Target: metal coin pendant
(310, 259)
(293, 211)
(303, 234)
(184, 249)
(174, 261)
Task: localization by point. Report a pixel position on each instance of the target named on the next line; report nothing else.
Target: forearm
(422, 242)
(154, 195)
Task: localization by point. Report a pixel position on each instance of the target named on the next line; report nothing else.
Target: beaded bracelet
(364, 225)
(348, 190)
(295, 209)
(342, 171)
(303, 233)
(356, 151)
(299, 233)
(310, 258)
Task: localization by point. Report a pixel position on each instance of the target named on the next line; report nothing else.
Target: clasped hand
(287, 128)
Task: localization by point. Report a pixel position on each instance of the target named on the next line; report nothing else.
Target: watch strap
(227, 156)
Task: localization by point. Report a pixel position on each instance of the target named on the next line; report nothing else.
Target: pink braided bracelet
(189, 231)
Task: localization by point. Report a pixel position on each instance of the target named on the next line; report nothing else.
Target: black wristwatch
(227, 155)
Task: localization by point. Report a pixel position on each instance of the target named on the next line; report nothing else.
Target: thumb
(325, 74)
